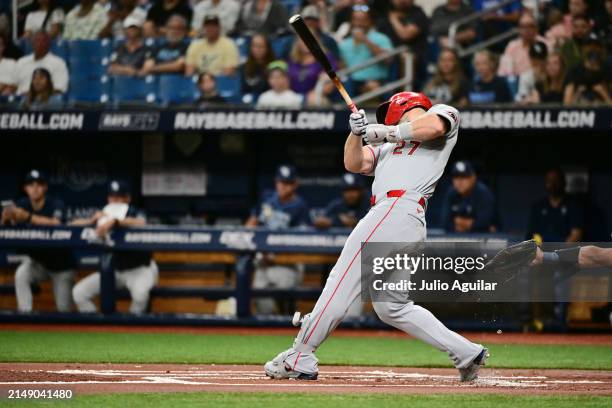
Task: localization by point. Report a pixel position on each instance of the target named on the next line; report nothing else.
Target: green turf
(268, 400)
(25, 346)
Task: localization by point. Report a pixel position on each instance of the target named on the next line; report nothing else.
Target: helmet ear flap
(381, 112)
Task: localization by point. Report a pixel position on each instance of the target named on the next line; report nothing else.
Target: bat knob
(294, 18)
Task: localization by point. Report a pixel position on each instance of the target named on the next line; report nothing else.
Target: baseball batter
(406, 155)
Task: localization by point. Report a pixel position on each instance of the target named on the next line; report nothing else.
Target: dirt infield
(118, 378)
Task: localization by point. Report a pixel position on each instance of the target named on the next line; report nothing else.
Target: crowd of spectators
(560, 55)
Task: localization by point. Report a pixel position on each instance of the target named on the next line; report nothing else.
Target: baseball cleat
(278, 370)
(470, 373)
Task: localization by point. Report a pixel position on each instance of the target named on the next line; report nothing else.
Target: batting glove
(376, 134)
(358, 123)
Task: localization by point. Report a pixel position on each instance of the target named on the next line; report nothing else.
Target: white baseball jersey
(412, 165)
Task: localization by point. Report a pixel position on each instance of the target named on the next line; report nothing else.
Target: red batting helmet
(390, 112)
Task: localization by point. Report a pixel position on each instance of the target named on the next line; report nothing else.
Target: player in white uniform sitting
(407, 155)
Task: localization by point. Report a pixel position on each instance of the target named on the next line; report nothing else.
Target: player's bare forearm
(42, 220)
(355, 158)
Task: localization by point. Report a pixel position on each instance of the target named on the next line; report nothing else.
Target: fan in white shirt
(48, 14)
(42, 58)
(280, 95)
(227, 11)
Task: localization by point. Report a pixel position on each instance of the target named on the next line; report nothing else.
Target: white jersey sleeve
(451, 115)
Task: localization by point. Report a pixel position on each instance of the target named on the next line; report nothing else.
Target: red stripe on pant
(342, 278)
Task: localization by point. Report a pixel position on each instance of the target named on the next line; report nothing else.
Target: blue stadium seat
(293, 6)
(131, 89)
(86, 68)
(243, 46)
(87, 89)
(90, 49)
(281, 46)
(176, 89)
(230, 88)
(513, 85)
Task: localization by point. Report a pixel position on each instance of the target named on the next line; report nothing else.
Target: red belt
(397, 193)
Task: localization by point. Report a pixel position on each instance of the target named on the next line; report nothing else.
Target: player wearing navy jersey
(42, 264)
(347, 210)
(134, 270)
(283, 209)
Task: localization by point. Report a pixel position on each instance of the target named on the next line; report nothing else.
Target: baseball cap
(351, 181)
(462, 168)
(35, 175)
(132, 21)
(118, 187)
(211, 19)
(286, 173)
(278, 64)
(538, 50)
(311, 11)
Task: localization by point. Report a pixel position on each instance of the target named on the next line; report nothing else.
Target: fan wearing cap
(215, 53)
(280, 94)
(280, 210)
(406, 153)
(134, 270)
(347, 210)
(37, 208)
(469, 205)
(129, 57)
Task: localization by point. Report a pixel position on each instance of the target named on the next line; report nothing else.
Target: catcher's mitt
(514, 257)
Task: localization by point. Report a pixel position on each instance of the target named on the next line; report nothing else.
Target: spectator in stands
(85, 21)
(571, 50)
(551, 88)
(304, 71)
(280, 94)
(563, 31)
(469, 205)
(254, 71)
(267, 17)
(515, 60)
(209, 94)
(407, 24)
(488, 88)
(555, 218)
(448, 85)
(228, 12)
(281, 210)
(537, 72)
(312, 17)
(118, 13)
(8, 71)
(160, 12)
(363, 44)
(325, 12)
(497, 21)
(130, 56)
(41, 94)
(42, 57)
(590, 81)
(215, 53)
(48, 17)
(169, 56)
(38, 209)
(134, 270)
(347, 210)
(442, 18)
